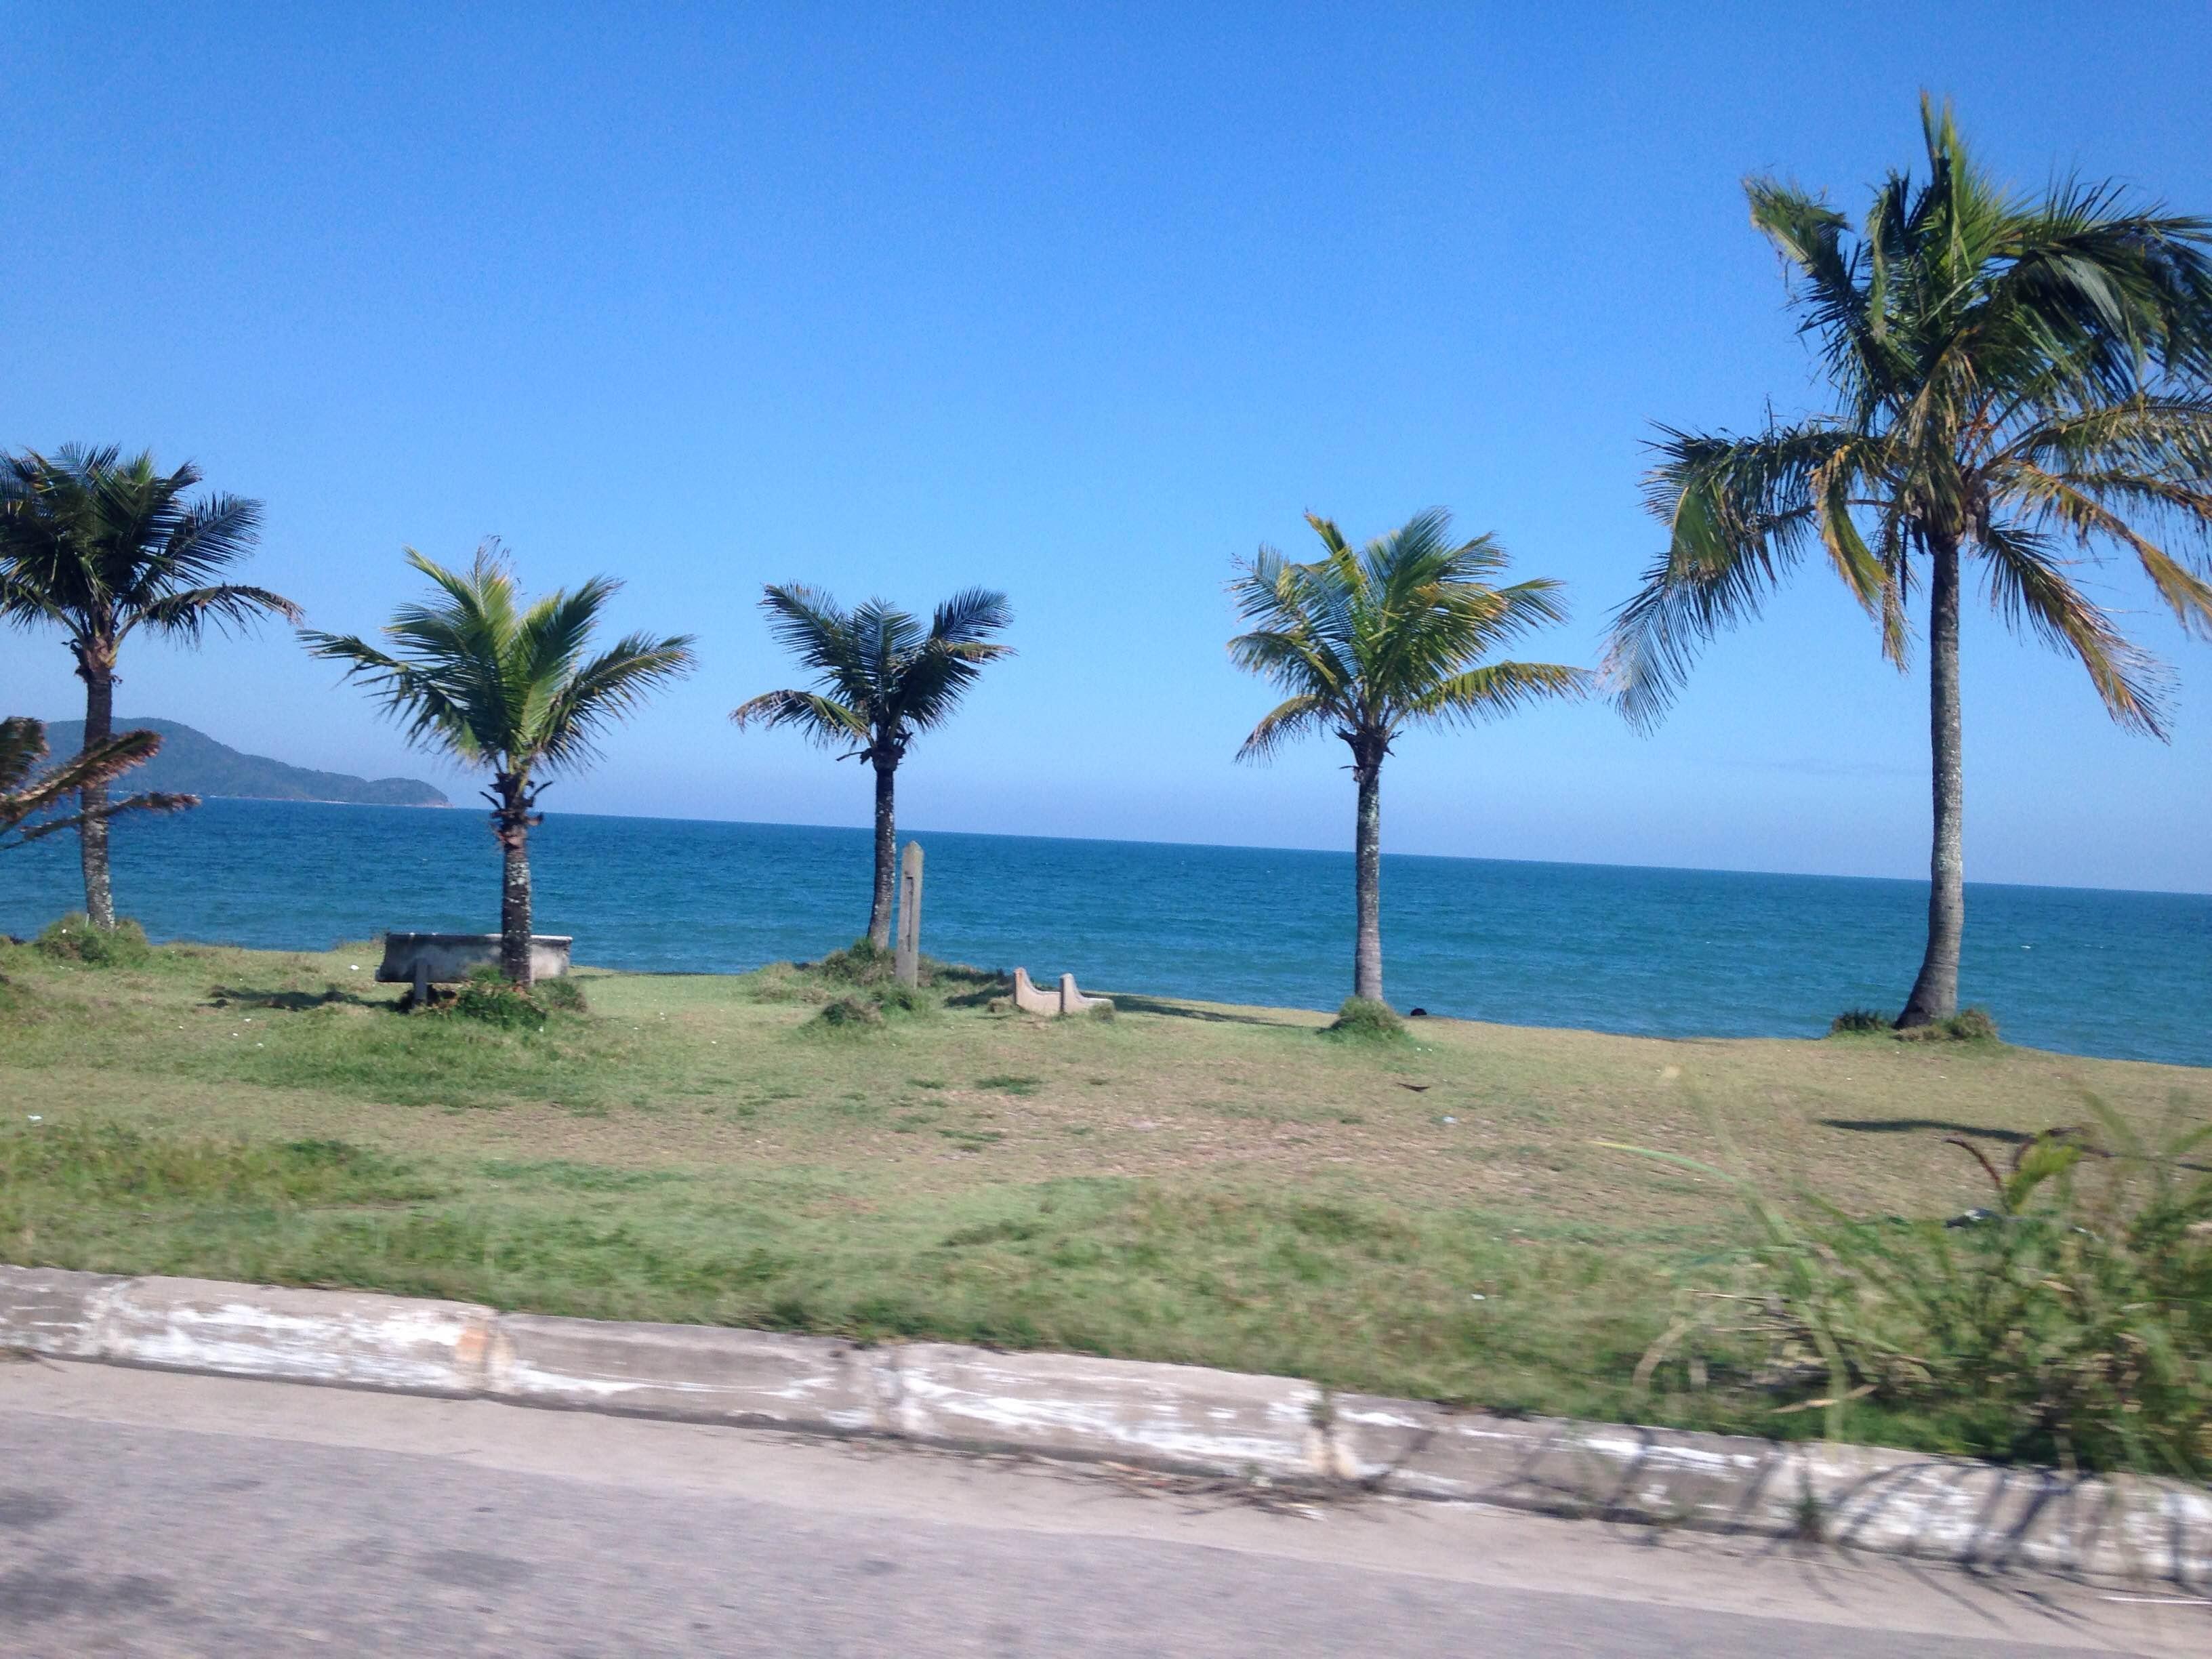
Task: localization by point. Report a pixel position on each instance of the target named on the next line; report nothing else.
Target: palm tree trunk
(99, 676)
(1936, 993)
(1367, 877)
(511, 821)
(879, 907)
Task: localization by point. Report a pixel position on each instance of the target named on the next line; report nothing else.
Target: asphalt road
(149, 1514)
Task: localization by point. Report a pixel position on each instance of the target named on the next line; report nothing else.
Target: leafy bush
(863, 962)
(872, 1007)
(1967, 1026)
(2069, 1320)
(1366, 1019)
(488, 996)
(849, 1014)
(74, 938)
(564, 996)
(896, 998)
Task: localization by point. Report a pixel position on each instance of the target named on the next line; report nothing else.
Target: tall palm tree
(881, 682)
(475, 674)
(26, 793)
(1368, 641)
(100, 546)
(2013, 378)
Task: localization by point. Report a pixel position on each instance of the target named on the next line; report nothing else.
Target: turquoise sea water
(1661, 952)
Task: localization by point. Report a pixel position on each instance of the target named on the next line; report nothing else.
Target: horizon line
(1248, 847)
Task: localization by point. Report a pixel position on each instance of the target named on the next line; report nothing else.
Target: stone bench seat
(425, 959)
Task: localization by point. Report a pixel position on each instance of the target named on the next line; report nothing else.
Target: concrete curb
(1183, 1418)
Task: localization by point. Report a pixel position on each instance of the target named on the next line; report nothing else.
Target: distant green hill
(192, 762)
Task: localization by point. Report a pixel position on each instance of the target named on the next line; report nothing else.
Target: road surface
(149, 1513)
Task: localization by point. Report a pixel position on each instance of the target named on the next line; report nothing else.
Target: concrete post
(905, 965)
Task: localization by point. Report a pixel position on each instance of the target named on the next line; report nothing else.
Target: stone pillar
(905, 965)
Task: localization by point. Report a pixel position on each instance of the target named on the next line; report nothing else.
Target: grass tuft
(74, 938)
(1365, 1020)
(1855, 1021)
(1967, 1026)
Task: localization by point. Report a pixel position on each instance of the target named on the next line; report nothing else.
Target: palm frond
(1499, 689)
(2028, 587)
(883, 677)
(1738, 512)
(475, 672)
(24, 796)
(822, 720)
(972, 616)
(2077, 504)
(610, 686)
(103, 544)
(1366, 640)
(187, 615)
(809, 624)
(1294, 718)
(430, 702)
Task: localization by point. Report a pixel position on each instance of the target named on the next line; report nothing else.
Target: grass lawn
(1185, 1182)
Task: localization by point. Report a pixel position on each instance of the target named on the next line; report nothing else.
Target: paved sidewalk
(143, 1513)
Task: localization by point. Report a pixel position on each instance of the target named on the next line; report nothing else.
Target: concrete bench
(1064, 1000)
(425, 959)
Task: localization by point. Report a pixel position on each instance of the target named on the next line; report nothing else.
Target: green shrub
(874, 1006)
(1967, 1026)
(896, 998)
(74, 938)
(2069, 1320)
(1854, 1020)
(488, 996)
(564, 996)
(863, 962)
(1366, 1019)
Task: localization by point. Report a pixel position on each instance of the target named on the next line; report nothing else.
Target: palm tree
(2014, 379)
(497, 686)
(26, 793)
(1369, 641)
(881, 683)
(100, 546)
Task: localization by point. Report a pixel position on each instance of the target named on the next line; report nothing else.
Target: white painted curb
(1177, 1417)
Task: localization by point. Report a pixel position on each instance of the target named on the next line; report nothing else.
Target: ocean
(1655, 952)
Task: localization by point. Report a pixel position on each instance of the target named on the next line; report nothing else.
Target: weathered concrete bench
(425, 959)
(1066, 1000)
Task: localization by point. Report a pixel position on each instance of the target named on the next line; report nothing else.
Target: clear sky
(1082, 302)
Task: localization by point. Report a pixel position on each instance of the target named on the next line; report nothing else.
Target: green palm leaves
(881, 678)
(2016, 382)
(2014, 378)
(497, 684)
(1369, 640)
(506, 687)
(100, 546)
(26, 792)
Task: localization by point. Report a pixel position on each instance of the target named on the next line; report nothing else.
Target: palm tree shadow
(1899, 1126)
(246, 996)
(1124, 1003)
(1904, 1126)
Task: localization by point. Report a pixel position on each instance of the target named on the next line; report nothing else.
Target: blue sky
(1080, 302)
